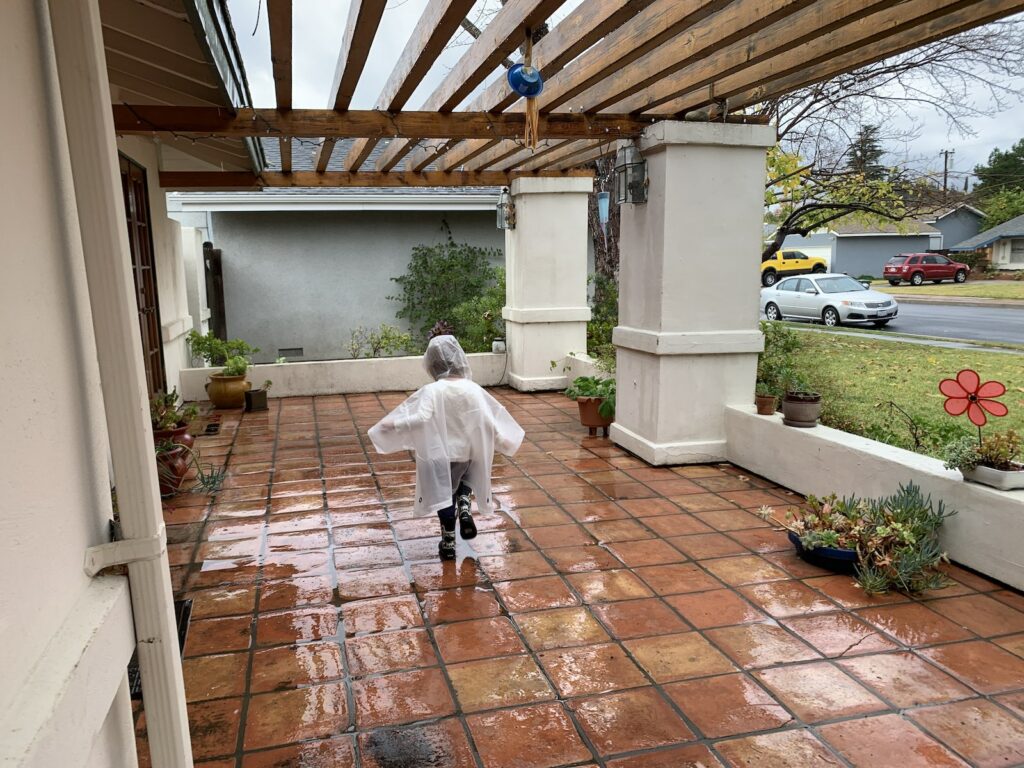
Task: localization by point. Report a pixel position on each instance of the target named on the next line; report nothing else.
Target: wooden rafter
(504, 34)
(433, 31)
(908, 16)
(565, 152)
(246, 180)
(522, 157)
(315, 123)
(805, 26)
(500, 151)
(953, 23)
(279, 17)
(590, 21)
(360, 29)
(589, 155)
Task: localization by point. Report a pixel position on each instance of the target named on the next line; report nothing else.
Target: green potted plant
(171, 418)
(890, 543)
(595, 398)
(801, 406)
(227, 388)
(256, 399)
(995, 461)
(765, 399)
(171, 466)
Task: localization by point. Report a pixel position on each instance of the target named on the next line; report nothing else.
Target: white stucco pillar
(546, 310)
(688, 336)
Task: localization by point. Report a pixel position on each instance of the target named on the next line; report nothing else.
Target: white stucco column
(546, 310)
(688, 336)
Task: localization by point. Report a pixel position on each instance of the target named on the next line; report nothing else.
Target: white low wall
(581, 364)
(987, 534)
(336, 377)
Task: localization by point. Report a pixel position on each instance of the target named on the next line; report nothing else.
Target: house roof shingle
(908, 228)
(1011, 228)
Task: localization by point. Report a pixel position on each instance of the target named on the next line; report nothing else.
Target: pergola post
(688, 339)
(546, 310)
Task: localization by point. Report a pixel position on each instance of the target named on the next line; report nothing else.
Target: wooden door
(140, 241)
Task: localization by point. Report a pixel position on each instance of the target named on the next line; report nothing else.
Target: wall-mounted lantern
(506, 210)
(630, 175)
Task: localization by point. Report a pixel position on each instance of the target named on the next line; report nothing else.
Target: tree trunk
(606, 247)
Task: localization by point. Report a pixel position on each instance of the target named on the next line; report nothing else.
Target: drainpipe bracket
(125, 551)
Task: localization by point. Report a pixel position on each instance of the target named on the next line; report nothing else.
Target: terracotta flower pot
(801, 409)
(590, 416)
(765, 404)
(171, 470)
(179, 436)
(227, 391)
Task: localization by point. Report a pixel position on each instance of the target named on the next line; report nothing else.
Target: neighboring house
(957, 224)
(303, 267)
(858, 249)
(1003, 244)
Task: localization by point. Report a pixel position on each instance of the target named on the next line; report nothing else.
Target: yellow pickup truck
(785, 263)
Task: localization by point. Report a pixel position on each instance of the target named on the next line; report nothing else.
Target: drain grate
(212, 428)
(182, 615)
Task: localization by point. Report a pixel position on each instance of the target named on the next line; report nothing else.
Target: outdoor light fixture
(630, 175)
(506, 210)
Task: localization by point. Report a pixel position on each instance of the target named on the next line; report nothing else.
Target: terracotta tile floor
(612, 614)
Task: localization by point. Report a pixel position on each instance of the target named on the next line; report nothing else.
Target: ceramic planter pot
(996, 478)
(765, 404)
(179, 436)
(832, 558)
(255, 400)
(171, 470)
(590, 417)
(227, 391)
(801, 409)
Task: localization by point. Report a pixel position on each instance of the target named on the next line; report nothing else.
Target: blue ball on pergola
(525, 80)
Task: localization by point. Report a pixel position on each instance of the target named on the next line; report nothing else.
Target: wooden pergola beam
(279, 18)
(500, 151)
(588, 155)
(505, 32)
(315, 123)
(433, 31)
(524, 156)
(950, 24)
(781, 38)
(813, 57)
(199, 180)
(462, 152)
(585, 26)
(360, 28)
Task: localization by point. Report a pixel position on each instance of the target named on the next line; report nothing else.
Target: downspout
(84, 99)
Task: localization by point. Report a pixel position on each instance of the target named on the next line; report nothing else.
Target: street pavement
(960, 322)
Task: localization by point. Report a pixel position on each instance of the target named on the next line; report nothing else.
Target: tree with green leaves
(1004, 170)
(1002, 206)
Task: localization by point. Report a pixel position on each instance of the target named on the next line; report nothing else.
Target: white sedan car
(833, 299)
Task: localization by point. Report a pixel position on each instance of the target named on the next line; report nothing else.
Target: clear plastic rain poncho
(450, 421)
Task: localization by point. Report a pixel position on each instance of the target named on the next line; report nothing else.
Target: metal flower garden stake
(967, 394)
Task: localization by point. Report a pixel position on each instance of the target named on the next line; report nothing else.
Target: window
(803, 284)
(942, 260)
(842, 284)
(787, 285)
(793, 255)
(914, 260)
(930, 260)
(897, 260)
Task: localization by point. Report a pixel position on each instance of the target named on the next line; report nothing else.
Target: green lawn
(987, 289)
(857, 375)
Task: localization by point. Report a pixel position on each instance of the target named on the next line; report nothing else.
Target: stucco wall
(56, 495)
(957, 227)
(858, 256)
(307, 278)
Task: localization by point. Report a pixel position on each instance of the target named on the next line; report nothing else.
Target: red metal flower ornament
(966, 393)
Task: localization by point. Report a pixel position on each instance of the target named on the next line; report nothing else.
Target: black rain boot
(446, 547)
(466, 525)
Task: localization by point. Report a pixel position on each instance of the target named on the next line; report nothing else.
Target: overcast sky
(319, 25)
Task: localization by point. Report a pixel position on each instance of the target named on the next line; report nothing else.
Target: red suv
(915, 268)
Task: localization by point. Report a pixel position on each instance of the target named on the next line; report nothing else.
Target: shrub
(604, 316)
(167, 412)
(998, 450)
(216, 351)
(594, 386)
(478, 322)
(386, 341)
(235, 366)
(896, 538)
(438, 279)
(976, 260)
(775, 363)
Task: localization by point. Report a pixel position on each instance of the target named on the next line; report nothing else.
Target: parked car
(831, 298)
(784, 263)
(915, 268)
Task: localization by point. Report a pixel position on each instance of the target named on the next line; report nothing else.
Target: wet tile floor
(612, 614)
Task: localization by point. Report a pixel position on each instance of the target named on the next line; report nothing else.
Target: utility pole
(945, 171)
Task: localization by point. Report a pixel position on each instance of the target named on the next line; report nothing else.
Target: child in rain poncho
(454, 427)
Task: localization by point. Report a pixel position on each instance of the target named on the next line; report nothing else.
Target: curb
(957, 301)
